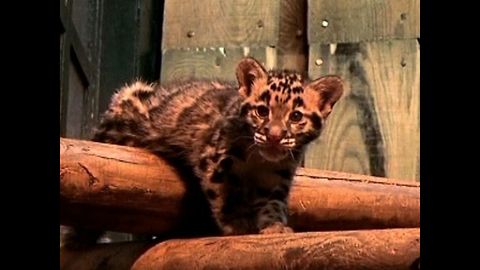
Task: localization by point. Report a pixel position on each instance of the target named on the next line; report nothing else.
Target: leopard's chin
(273, 154)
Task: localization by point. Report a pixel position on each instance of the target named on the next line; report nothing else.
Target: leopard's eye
(262, 111)
(296, 116)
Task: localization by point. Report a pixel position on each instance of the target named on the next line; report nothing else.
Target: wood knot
(260, 24)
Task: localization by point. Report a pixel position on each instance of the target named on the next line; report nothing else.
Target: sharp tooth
(259, 137)
(287, 141)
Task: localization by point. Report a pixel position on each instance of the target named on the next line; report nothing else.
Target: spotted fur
(243, 142)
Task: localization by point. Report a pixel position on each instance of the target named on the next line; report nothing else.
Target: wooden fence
(372, 44)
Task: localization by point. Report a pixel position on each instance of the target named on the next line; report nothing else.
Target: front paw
(230, 230)
(276, 227)
(239, 227)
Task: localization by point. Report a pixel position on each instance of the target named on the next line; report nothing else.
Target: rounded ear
(248, 71)
(329, 89)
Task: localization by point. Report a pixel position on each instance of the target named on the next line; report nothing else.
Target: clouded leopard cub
(242, 143)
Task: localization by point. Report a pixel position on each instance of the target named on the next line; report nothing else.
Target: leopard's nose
(275, 134)
(274, 138)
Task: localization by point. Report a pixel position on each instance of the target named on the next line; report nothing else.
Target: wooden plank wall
(372, 44)
(206, 39)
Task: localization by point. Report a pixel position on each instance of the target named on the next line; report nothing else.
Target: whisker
(250, 152)
(291, 154)
(252, 145)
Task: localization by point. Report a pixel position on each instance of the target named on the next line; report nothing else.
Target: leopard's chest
(255, 172)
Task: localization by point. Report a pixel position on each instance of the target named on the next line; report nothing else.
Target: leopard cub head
(285, 111)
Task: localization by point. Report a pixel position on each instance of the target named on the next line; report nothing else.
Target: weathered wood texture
(191, 24)
(292, 43)
(372, 45)
(116, 256)
(345, 21)
(375, 127)
(208, 63)
(126, 189)
(376, 249)
(205, 40)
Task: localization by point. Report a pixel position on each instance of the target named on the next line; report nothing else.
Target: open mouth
(273, 151)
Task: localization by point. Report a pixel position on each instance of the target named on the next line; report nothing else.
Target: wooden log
(375, 249)
(127, 189)
(118, 188)
(115, 256)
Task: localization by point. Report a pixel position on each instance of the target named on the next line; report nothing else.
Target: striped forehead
(283, 88)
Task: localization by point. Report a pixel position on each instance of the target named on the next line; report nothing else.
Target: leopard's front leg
(226, 201)
(272, 208)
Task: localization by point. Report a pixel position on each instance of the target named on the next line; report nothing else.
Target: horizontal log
(375, 249)
(120, 188)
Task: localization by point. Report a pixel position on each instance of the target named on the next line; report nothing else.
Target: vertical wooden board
(149, 35)
(209, 63)
(213, 23)
(285, 47)
(397, 102)
(76, 100)
(362, 20)
(292, 46)
(381, 100)
(118, 58)
(341, 146)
